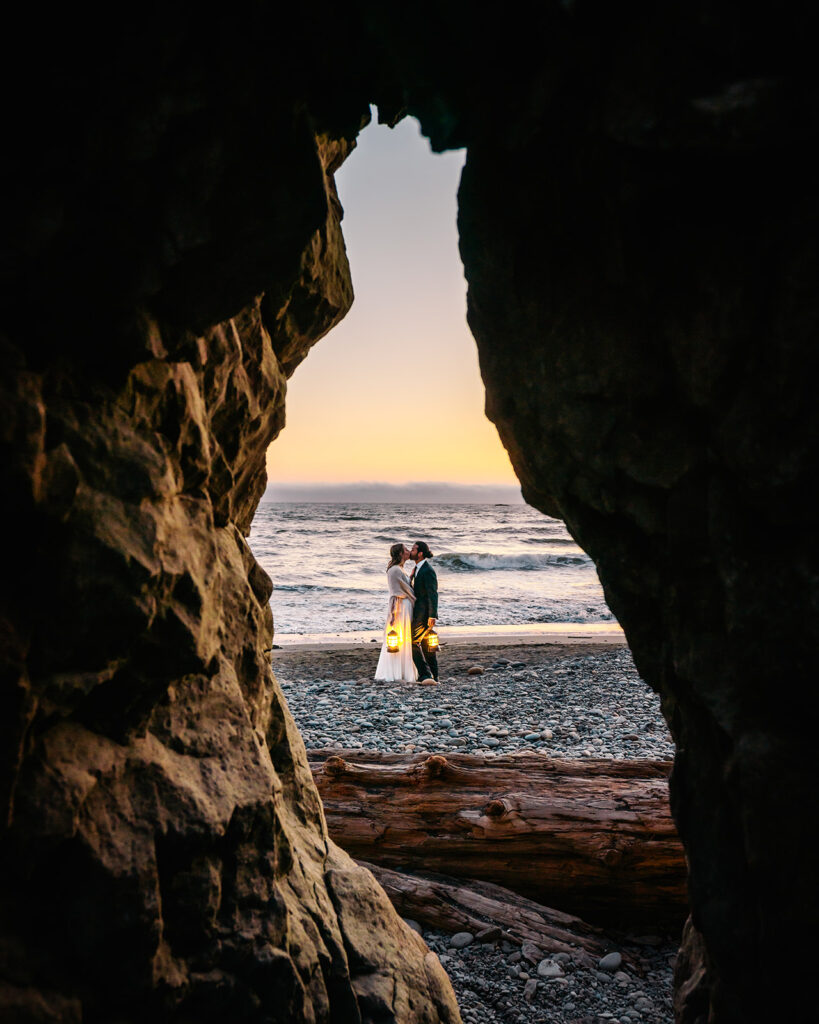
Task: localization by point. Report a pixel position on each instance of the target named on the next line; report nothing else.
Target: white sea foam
(486, 561)
(496, 564)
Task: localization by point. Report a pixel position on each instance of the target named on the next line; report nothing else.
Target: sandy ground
(337, 657)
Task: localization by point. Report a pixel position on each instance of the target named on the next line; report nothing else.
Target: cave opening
(388, 410)
(316, 525)
(393, 394)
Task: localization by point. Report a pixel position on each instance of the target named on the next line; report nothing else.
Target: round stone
(475, 670)
(461, 939)
(610, 962)
(549, 969)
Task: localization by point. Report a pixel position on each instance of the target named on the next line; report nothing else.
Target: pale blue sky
(394, 393)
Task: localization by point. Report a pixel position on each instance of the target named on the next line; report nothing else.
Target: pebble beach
(561, 699)
(497, 983)
(564, 697)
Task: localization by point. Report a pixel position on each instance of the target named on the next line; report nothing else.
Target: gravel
(492, 986)
(578, 705)
(560, 702)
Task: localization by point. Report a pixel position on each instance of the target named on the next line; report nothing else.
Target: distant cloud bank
(415, 493)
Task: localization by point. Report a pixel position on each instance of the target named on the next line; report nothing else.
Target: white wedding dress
(398, 667)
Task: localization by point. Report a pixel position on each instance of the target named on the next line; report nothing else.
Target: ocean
(496, 564)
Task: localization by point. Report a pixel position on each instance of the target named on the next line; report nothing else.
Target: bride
(398, 667)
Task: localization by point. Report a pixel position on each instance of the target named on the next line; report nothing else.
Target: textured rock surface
(168, 847)
(638, 227)
(164, 852)
(640, 293)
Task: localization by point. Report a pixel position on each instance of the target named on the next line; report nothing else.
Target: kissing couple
(411, 614)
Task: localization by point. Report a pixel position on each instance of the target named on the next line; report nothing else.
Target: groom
(425, 612)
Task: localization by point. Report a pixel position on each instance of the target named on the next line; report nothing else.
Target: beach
(531, 660)
(567, 693)
(564, 690)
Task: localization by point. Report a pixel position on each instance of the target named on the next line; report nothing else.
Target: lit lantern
(393, 641)
(432, 640)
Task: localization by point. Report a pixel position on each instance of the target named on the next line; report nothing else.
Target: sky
(393, 394)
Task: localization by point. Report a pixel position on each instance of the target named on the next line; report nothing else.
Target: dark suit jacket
(425, 585)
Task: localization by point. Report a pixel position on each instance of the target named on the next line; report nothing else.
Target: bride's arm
(393, 575)
(399, 585)
(403, 583)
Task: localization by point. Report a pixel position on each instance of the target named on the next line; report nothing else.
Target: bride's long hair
(395, 555)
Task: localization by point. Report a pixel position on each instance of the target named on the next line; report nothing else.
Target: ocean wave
(410, 536)
(549, 540)
(479, 562)
(315, 588)
(555, 529)
(303, 620)
(566, 611)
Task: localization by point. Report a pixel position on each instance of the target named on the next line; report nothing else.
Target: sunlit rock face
(638, 229)
(176, 251)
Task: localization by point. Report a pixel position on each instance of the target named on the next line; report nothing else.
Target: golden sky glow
(394, 392)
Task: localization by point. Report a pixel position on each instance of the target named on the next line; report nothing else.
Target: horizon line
(386, 483)
(368, 492)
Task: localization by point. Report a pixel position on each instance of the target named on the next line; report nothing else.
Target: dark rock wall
(641, 273)
(638, 229)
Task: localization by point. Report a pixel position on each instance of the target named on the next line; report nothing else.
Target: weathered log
(453, 905)
(592, 837)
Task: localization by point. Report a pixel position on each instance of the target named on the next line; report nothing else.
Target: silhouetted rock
(638, 229)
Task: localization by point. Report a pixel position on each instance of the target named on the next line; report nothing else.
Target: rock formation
(638, 231)
(164, 850)
(649, 363)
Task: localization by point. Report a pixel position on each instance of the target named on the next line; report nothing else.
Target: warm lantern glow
(393, 641)
(432, 640)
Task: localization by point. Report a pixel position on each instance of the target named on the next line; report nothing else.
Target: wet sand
(355, 656)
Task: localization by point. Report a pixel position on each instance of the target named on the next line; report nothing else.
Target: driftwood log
(594, 838)
(453, 905)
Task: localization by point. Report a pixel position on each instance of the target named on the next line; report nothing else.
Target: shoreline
(605, 634)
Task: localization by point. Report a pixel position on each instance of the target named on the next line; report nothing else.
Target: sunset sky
(393, 393)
